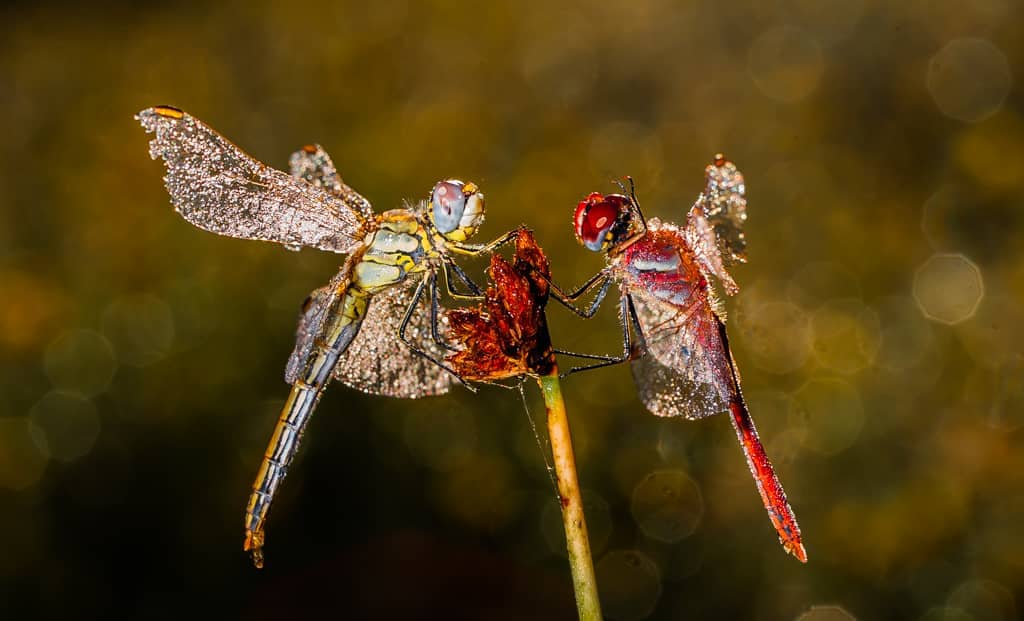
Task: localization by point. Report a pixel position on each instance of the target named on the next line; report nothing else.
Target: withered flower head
(506, 336)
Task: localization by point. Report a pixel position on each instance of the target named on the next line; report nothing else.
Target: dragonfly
(672, 317)
(378, 326)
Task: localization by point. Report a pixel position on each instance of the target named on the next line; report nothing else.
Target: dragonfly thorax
(456, 209)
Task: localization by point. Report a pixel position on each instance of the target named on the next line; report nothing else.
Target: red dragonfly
(681, 362)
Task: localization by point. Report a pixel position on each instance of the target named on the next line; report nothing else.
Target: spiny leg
(474, 250)
(413, 305)
(435, 312)
(476, 294)
(567, 299)
(625, 309)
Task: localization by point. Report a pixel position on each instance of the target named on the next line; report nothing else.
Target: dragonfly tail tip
(254, 546)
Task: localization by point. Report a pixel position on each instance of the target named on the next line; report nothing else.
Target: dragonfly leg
(413, 306)
(435, 312)
(476, 293)
(568, 299)
(475, 250)
(625, 310)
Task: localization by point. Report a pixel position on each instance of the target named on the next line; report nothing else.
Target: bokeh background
(878, 327)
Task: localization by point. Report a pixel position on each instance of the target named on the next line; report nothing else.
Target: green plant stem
(584, 582)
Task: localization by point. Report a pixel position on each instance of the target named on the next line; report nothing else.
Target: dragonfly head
(456, 209)
(603, 222)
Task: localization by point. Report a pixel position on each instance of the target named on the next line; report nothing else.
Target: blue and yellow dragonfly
(378, 326)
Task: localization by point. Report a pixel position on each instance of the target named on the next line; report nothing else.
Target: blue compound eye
(448, 202)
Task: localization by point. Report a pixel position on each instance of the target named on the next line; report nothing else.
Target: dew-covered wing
(379, 363)
(311, 320)
(724, 205)
(680, 367)
(217, 187)
(312, 164)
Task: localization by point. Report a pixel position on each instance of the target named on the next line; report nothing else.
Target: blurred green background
(878, 327)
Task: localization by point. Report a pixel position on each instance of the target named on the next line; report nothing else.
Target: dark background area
(878, 324)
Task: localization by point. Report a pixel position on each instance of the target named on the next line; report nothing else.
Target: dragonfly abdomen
(342, 325)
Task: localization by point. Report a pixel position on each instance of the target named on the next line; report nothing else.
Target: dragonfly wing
(723, 204)
(681, 368)
(214, 185)
(312, 164)
(379, 363)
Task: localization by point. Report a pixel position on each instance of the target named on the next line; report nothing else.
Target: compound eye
(448, 201)
(595, 216)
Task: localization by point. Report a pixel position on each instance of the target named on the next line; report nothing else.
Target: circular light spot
(906, 336)
(598, 516)
(64, 425)
(969, 79)
(830, 412)
(141, 329)
(667, 505)
(442, 439)
(991, 154)
(775, 332)
(80, 361)
(21, 464)
(785, 64)
(847, 335)
(948, 288)
(984, 600)
(629, 583)
(826, 613)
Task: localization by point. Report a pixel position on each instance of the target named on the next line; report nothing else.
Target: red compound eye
(595, 215)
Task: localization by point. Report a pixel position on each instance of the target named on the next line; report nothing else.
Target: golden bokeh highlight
(830, 413)
(948, 288)
(667, 505)
(80, 361)
(826, 613)
(968, 79)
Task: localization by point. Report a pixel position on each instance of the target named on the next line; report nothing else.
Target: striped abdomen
(395, 250)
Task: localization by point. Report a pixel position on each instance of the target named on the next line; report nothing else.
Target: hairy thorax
(663, 265)
(396, 249)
